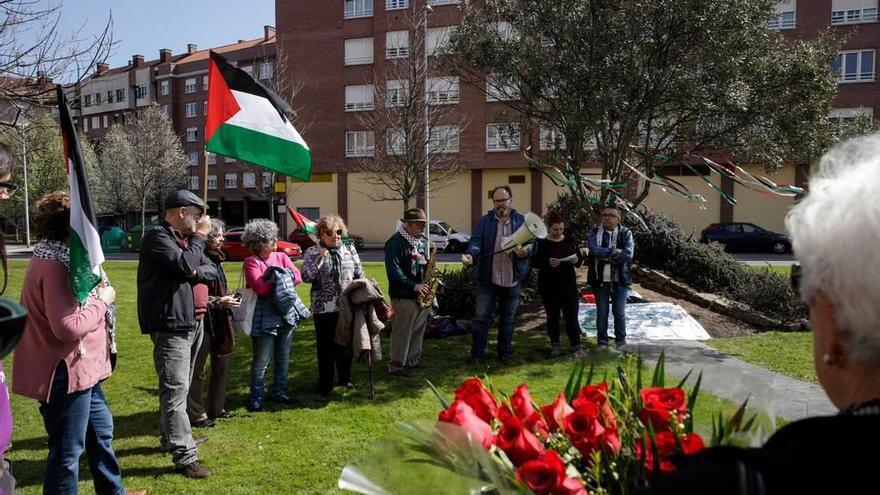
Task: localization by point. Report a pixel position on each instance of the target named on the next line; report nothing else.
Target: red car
(236, 251)
(303, 239)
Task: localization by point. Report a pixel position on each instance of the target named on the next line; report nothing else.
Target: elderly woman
(218, 341)
(330, 266)
(271, 335)
(63, 356)
(836, 238)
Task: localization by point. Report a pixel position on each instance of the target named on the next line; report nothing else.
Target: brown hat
(414, 215)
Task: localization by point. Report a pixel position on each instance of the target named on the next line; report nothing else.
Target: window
(166, 109)
(358, 98)
(120, 95)
(502, 137)
(141, 92)
(498, 91)
(442, 2)
(193, 158)
(192, 110)
(395, 141)
(358, 8)
(786, 14)
(109, 96)
(87, 100)
(395, 5)
(505, 31)
(396, 44)
(551, 139)
(853, 11)
(230, 181)
(96, 123)
(249, 180)
(205, 108)
(442, 90)
(267, 70)
(194, 182)
(359, 51)
(249, 69)
(358, 143)
(854, 66)
(267, 182)
(212, 182)
(228, 159)
(443, 139)
(85, 124)
(438, 38)
(205, 83)
(165, 87)
(845, 115)
(106, 121)
(395, 93)
(212, 159)
(192, 134)
(189, 86)
(97, 98)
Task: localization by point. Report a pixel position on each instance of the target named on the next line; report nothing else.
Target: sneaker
(255, 406)
(282, 398)
(223, 415)
(601, 347)
(196, 471)
(204, 423)
(579, 353)
(556, 350)
(619, 343)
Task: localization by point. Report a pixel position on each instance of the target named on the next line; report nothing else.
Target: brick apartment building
(178, 84)
(335, 48)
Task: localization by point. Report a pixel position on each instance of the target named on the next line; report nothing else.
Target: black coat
(165, 296)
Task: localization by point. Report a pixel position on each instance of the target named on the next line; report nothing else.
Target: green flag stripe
(81, 277)
(280, 155)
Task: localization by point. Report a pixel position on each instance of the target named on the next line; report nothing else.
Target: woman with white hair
(836, 238)
(271, 334)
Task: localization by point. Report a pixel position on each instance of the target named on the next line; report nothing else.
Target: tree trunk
(143, 216)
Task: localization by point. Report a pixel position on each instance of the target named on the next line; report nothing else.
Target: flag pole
(205, 182)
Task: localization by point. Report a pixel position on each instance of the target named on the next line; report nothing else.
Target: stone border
(664, 284)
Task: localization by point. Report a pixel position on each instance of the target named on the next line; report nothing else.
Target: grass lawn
(300, 449)
(789, 353)
(784, 270)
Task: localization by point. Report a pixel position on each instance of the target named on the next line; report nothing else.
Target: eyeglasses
(8, 187)
(196, 212)
(500, 201)
(331, 233)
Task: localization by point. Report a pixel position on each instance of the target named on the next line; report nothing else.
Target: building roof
(241, 45)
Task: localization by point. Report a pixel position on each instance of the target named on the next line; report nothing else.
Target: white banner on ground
(647, 321)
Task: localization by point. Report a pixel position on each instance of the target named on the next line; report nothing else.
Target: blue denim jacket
(620, 263)
(483, 243)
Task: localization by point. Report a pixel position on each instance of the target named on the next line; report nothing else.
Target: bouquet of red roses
(609, 437)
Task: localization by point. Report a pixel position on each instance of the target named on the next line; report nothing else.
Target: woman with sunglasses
(330, 266)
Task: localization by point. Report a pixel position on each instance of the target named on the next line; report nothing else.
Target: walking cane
(370, 374)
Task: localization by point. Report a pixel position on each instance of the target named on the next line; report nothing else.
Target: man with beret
(172, 302)
(405, 263)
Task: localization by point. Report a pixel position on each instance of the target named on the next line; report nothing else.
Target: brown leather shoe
(196, 471)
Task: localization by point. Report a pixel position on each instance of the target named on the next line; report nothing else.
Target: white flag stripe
(258, 114)
(87, 232)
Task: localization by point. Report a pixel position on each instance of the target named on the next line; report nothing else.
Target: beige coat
(358, 327)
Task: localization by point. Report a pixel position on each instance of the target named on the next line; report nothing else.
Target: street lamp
(427, 10)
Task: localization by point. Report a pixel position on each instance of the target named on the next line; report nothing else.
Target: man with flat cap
(405, 263)
(172, 301)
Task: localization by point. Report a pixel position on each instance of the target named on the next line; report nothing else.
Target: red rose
(544, 474)
(660, 404)
(666, 447)
(554, 413)
(584, 429)
(536, 424)
(521, 402)
(518, 443)
(598, 395)
(571, 486)
(481, 401)
(461, 414)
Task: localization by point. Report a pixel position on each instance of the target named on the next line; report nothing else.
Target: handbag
(243, 316)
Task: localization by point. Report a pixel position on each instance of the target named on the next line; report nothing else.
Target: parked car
(305, 242)
(445, 237)
(746, 237)
(236, 251)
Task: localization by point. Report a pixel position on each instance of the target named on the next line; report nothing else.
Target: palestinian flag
(86, 254)
(303, 222)
(247, 121)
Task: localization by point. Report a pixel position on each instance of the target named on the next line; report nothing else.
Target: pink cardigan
(254, 267)
(53, 331)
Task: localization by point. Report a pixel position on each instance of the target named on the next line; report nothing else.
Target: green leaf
(437, 394)
(658, 379)
(685, 379)
(692, 400)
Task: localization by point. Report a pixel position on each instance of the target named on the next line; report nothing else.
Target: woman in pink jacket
(63, 356)
(271, 335)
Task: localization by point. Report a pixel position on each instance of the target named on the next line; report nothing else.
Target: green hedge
(456, 296)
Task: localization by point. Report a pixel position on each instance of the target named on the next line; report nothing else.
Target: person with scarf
(405, 262)
(218, 341)
(330, 266)
(611, 253)
(64, 355)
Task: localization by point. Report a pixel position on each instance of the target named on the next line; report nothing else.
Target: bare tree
(147, 156)
(112, 189)
(413, 123)
(33, 51)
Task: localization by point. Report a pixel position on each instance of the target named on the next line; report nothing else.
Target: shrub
(457, 294)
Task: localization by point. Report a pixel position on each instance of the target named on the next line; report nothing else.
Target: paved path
(733, 379)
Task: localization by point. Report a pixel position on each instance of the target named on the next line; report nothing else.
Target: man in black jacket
(172, 301)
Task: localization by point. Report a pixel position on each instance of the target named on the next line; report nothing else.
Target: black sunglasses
(9, 186)
(337, 232)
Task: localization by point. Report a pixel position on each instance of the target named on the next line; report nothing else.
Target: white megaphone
(532, 228)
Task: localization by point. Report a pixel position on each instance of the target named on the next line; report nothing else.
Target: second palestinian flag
(247, 121)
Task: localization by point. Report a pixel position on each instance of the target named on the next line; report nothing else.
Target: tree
(413, 126)
(636, 86)
(147, 158)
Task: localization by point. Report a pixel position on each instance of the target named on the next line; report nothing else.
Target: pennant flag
(86, 254)
(247, 121)
(303, 222)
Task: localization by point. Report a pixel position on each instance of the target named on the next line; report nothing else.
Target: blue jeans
(615, 296)
(507, 299)
(264, 348)
(75, 422)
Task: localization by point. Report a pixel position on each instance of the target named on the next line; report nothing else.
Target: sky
(144, 26)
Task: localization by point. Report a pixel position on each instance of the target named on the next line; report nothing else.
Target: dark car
(303, 239)
(746, 237)
(236, 251)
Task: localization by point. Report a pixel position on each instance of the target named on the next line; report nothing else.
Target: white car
(445, 237)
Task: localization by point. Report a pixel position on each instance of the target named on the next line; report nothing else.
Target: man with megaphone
(500, 248)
